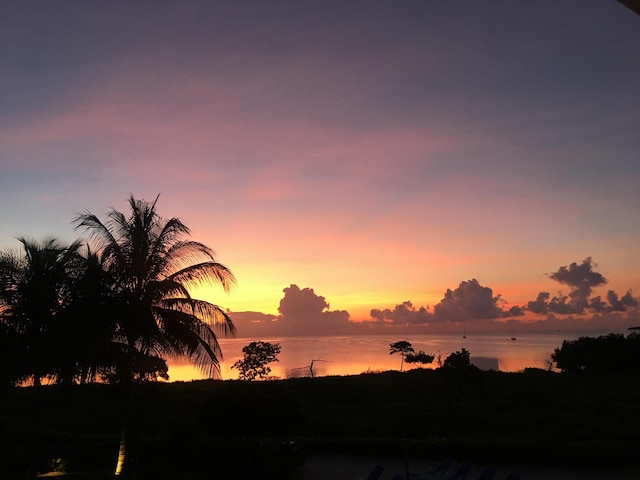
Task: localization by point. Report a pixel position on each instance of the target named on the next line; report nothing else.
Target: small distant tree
(256, 357)
(459, 360)
(459, 376)
(419, 357)
(403, 348)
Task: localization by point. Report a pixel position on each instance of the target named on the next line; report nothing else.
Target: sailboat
(513, 334)
(464, 333)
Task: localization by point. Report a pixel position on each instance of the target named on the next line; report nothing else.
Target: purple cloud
(469, 301)
(302, 311)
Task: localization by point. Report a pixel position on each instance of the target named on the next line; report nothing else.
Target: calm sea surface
(352, 355)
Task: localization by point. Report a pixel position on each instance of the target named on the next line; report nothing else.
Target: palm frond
(105, 241)
(187, 336)
(160, 261)
(184, 253)
(205, 273)
(167, 288)
(190, 251)
(206, 312)
(170, 232)
(97, 230)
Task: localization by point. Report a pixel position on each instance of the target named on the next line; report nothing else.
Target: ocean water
(352, 355)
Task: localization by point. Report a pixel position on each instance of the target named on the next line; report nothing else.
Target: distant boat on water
(464, 333)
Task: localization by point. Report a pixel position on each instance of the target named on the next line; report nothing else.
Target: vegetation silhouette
(460, 360)
(36, 286)
(244, 429)
(402, 347)
(612, 353)
(153, 266)
(419, 357)
(256, 357)
(188, 430)
(459, 376)
(111, 309)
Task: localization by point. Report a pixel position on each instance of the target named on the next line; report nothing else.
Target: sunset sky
(343, 157)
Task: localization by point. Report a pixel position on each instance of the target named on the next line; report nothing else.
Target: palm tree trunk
(122, 451)
(125, 419)
(124, 427)
(32, 469)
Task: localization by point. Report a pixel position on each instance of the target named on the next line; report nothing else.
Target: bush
(613, 353)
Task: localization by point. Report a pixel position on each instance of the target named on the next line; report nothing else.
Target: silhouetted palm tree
(153, 267)
(35, 288)
(88, 329)
(35, 292)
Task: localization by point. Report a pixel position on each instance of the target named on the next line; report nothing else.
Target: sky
(359, 165)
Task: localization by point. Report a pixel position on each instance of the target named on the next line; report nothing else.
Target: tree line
(111, 308)
(612, 353)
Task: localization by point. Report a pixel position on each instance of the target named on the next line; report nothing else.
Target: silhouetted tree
(459, 360)
(419, 357)
(35, 288)
(153, 266)
(403, 348)
(256, 357)
(459, 374)
(87, 330)
(612, 353)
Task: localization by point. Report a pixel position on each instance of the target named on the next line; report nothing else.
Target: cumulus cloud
(402, 314)
(582, 279)
(629, 300)
(621, 304)
(540, 304)
(515, 311)
(301, 310)
(470, 301)
(579, 276)
(597, 305)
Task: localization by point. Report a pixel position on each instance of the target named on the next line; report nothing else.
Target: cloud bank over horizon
(303, 312)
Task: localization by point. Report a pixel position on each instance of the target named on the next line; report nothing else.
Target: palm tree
(86, 335)
(35, 288)
(35, 292)
(154, 266)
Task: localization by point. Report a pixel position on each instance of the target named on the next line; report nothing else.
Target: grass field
(234, 427)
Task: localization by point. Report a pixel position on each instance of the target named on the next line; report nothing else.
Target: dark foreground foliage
(234, 429)
(607, 353)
